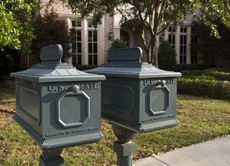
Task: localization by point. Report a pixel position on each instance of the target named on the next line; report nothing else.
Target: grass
(200, 119)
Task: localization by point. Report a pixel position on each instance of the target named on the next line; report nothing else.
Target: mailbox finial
(127, 56)
(51, 53)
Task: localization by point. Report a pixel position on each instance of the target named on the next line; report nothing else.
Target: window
(84, 45)
(76, 41)
(172, 39)
(92, 43)
(183, 30)
(172, 36)
(92, 47)
(183, 45)
(194, 53)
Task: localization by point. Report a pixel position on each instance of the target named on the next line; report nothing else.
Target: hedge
(181, 67)
(208, 74)
(85, 67)
(166, 56)
(205, 88)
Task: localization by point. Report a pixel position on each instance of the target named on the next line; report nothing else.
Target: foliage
(210, 47)
(167, 56)
(49, 30)
(213, 73)
(204, 87)
(153, 17)
(183, 67)
(85, 67)
(15, 21)
(196, 115)
(212, 83)
(212, 10)
(117, 43)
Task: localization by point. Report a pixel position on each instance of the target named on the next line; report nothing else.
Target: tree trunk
(154, 56)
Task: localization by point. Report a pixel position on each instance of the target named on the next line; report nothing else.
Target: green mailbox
(137, 96)
(56, 104)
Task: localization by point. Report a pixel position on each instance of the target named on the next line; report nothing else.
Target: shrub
(182, 67)
(50, 30)
(209, 73)
(207, 88)
(166, 56)
(85, 67)
(200, 77)
(117, 43)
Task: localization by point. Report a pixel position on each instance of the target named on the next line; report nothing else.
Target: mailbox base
(124, 147)
(51, 158)
(124, 153)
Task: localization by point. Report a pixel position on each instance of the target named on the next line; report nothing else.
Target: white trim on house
(100, 31)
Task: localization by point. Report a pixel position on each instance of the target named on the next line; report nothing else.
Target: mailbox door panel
(28, 104)
(72, 111)
(120, 101)
(159, 104)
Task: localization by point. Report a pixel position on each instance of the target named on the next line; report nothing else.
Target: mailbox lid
(126, 62)
(51, 69)
(43, 75)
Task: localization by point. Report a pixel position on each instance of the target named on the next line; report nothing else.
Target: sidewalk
(210, 153)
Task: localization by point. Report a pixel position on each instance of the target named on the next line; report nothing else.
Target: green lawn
(200, 119)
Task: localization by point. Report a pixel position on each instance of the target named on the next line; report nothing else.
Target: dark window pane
(95, 59)
(90, 59)
(173, 39)
(90, 37)
(74, 45)
(170, 29)
(79, 47)
(90, 48)
(185, 49)
(74, 49)
(95, 36)
(95, 48)
(78, 35)
(73, 23)
(181, 39)
(78, 23)
(74, 59)
(170, 39)
(79, 60)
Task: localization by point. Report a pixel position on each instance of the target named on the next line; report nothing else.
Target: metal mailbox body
(136, 95)
(56, 104)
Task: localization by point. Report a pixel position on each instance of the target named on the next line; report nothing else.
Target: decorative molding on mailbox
(158, 98)
(119, 98)
(27, 103)
(78, 116)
